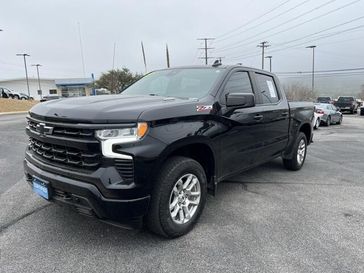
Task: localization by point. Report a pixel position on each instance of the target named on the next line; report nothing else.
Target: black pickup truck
(151, 154)
(347, 104)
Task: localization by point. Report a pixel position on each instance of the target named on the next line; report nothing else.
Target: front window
(179, 82)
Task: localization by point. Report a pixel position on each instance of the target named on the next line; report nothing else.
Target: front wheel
(299, 154)
(178, 197)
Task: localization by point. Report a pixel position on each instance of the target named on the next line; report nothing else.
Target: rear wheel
(328, 121)
(317, 123)
(299, 154)
(178, 197)
(340, 120)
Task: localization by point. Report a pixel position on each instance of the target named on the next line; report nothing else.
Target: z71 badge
(203, 108)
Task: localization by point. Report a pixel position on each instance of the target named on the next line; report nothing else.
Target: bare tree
(361, 93)
(298, 91)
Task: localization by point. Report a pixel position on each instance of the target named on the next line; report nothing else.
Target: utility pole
(206, 48)
(313, 66)
(270, 62)
(26, 70)
(167, 56)
(263, 45)
(40, 89)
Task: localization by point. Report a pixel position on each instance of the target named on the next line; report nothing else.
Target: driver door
(243, 135)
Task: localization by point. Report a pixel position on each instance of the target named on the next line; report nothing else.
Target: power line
(324, 71)
(243, 42)
(327, 75)
(292, 27)
(255, 19)
(266, 21)
(312, 40)
(206, 48)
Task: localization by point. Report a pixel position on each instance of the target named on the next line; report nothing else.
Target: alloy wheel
(184, 198)
(301, 152)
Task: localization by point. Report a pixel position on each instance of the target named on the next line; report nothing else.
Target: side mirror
(240, 100)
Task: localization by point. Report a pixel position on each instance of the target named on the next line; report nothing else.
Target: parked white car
(316, 121)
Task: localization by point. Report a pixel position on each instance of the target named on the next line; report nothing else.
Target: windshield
(323, 99)
(183, 82)
(345, 99)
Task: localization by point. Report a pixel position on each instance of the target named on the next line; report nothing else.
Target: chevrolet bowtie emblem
(43, 130)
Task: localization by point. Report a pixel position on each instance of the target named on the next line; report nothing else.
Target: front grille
(65, 131)
(125, 168)
(65, 155)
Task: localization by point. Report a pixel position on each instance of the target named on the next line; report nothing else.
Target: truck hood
(114, 108)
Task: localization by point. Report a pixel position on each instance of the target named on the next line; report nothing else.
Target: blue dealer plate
(41, 188)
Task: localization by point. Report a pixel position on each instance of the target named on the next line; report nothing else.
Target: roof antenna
(217, 63)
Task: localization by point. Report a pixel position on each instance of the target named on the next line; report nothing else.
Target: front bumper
(87, 199)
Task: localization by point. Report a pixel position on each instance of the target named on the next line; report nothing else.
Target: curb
(13, 113)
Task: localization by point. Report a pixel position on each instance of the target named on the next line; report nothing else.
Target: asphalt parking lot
(265, 220)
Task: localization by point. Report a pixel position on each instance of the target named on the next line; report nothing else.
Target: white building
(60, 87)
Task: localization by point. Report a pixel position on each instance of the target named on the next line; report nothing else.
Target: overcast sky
(48, 31)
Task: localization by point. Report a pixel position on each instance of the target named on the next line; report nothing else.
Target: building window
(73, 91)
(52, 91)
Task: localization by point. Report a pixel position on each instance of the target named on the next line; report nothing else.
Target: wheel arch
(199, 149)
(306, 128)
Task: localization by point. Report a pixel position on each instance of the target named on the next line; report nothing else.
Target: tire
(16, 97)
(23, 98)
(162, 218)
(317, 124)
(340, 120)
(297, 161)
(328, 121)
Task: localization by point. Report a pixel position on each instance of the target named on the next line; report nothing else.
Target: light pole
(270, 62)
(26, 70)
(40, 89)
(313, 66)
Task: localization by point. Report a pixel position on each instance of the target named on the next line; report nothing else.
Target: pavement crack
(16, 220)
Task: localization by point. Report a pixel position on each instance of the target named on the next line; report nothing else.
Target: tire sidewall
(328, 122)
(167, 223)
(300, 137)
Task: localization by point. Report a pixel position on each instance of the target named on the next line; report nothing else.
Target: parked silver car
(330, 113)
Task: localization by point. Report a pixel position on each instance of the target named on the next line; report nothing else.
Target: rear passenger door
(273, 108)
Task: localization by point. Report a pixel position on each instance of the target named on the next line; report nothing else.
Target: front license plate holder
(41, 187)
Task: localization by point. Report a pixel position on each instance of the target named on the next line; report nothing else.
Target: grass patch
(9, 105)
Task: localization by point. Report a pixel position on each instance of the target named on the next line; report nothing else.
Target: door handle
(258, 117)
(284, 114)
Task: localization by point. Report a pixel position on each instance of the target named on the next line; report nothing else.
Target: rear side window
(239, 82)
(267, 88)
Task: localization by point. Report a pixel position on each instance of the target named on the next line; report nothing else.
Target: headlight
(125, 134)
(110, 137)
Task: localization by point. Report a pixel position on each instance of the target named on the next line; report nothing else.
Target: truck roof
(227, 67)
